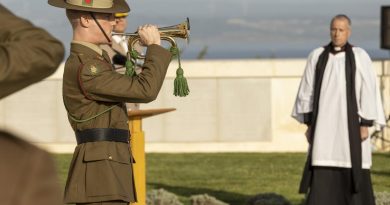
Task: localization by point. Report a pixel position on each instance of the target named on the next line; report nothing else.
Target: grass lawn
(234, 177)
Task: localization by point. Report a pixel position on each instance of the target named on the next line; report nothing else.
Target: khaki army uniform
(101, 170)
(27, 173)
(27, 55)
(94, 95)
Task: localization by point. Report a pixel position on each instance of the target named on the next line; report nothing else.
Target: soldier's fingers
(144, 26)
(154, 27)
(150, 26)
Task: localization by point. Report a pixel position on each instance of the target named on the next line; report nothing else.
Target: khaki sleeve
(101, 83)
(27, 53)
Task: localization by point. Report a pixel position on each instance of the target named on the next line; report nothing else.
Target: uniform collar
(92, 46)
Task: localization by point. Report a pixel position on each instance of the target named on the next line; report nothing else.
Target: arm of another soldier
(27, 53)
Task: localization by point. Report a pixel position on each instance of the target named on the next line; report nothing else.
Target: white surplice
(121, 41)
(331, 140)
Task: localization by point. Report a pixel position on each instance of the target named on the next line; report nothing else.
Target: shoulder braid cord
(90, 118)
(180, 84)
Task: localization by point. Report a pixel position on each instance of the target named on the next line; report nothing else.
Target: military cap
(99, 6)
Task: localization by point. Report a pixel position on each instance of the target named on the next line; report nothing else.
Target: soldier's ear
(85, 20)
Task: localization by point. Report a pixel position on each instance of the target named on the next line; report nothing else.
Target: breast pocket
(108, 169)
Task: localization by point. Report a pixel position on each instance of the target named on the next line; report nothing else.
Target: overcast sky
(236, 28)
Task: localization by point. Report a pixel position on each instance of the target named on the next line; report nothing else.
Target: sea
(236, 29)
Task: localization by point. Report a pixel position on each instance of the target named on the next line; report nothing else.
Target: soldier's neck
(84, 37)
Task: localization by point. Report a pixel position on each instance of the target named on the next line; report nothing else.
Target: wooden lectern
(137, 143)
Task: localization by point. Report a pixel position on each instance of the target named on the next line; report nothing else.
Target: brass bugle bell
(166, 33)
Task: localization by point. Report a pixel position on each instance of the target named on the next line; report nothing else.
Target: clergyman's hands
(307, 134)
(363, 132)
(149, 35)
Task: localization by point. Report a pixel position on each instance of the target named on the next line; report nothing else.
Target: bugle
(166, 33)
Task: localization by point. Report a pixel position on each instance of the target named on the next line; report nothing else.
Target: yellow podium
(137, 143)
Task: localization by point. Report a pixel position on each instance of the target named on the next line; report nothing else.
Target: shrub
(161, 197)
(205, 200)
(382, 198)
(268, 199)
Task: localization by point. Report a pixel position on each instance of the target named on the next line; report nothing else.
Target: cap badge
(87, 2)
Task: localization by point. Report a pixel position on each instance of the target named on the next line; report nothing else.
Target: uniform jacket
(101, 171)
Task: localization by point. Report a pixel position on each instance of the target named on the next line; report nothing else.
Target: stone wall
(234, 105)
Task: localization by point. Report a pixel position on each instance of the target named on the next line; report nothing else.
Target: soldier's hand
(363, 132)
(149, 35)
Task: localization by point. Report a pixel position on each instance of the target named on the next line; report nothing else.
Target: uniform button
(110, 157)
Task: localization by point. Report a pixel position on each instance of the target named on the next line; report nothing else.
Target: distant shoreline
(375, 54)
